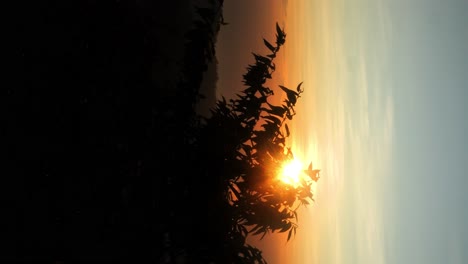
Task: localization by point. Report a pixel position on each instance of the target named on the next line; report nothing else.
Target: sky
(383, 115)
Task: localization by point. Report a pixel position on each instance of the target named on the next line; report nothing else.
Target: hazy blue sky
(385, 116)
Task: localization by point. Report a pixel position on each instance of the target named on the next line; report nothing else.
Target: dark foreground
(98, 130)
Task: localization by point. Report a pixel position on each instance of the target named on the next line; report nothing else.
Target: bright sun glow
(291, 173)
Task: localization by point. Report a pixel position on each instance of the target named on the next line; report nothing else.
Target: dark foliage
(244, 142)
(106, 163)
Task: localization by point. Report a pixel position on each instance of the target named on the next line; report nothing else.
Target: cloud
(348, 128)
(285, 5)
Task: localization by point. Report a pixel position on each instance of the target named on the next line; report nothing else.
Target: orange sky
(332, 127)
(250, 21)
(383, 110)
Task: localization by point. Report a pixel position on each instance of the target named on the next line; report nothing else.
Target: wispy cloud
(347, 128)
(369, 132)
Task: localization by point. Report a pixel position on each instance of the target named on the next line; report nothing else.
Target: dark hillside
(97, 125)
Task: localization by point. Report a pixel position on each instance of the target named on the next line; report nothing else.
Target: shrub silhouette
(244, 141)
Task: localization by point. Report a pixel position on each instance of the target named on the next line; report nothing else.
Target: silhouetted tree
(244, 142)
(108, 161)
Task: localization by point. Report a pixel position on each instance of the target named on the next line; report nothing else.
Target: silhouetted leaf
(263, 60)
(279, 31)
(286, 226)
(256, 230)
(276, 110)
(292, 95)
(287, 130)
(299, 88)
(280, 35)
(269, 46)
(289, 234)
(275, 119)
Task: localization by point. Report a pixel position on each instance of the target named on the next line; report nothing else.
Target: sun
(291, 172)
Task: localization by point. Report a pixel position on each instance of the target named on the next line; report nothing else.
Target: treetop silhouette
(245, 142)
